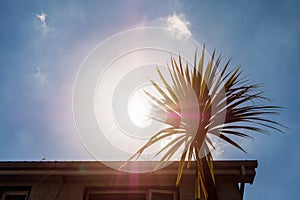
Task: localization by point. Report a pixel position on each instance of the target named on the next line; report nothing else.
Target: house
(89, 180)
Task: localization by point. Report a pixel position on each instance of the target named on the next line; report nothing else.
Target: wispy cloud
(42, 18)
(219, 149)
(39, 76)
(43, 25)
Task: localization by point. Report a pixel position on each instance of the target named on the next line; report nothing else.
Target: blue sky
(43, 43)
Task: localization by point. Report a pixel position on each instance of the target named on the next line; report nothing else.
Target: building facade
(95, 181)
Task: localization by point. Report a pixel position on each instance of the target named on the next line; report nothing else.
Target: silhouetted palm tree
(226, 106)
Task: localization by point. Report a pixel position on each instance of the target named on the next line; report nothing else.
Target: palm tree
(226, 106)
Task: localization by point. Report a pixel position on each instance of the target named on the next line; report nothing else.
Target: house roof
(243, 171)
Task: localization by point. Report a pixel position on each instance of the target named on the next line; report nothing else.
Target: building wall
(59, 190)
(56, 191)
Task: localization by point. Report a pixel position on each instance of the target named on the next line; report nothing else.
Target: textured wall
(227, 188)
(56, 191)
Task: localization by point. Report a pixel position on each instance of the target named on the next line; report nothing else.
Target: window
(14, 193)
(130, 194)
(117, 194)
(157, 194)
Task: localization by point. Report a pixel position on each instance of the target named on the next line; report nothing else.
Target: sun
(139, 108)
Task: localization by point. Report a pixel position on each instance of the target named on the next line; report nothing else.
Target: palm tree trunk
(208, 181)
(204, 183)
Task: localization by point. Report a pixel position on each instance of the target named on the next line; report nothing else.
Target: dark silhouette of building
(52, 180)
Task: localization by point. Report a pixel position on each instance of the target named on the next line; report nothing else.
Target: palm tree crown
(200, 103)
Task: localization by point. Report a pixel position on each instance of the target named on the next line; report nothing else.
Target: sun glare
(139, 109)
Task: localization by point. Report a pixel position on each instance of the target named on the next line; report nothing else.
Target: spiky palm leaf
(231, 98)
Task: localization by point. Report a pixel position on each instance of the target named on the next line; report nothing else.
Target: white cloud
(43, 25)
(219, 149)
(174, 22)
(179, 23)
